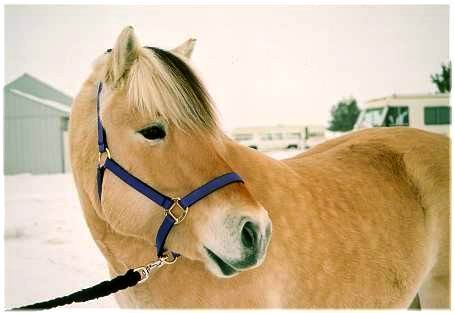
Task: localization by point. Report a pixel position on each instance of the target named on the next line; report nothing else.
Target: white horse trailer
(430, 112)
(278, 137)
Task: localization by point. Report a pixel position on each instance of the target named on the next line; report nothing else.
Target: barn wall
(33, 137)
(33, 145)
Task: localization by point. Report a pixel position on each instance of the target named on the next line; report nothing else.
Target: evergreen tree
(443, 80)
(344, 115)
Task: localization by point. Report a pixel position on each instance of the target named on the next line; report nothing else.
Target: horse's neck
(289, 197)
(270, 181)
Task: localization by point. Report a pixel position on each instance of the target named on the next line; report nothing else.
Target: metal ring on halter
(176, 203)
(107, 152)
(168, 257)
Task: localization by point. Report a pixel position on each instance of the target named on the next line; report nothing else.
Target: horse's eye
(153, 132)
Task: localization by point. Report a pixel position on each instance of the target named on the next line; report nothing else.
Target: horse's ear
(124, 53)
(185, 49)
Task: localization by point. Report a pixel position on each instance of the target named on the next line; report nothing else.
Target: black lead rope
(131, 278)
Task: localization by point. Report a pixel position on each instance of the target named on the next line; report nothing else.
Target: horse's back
(425, 155)
(402, 159)
(400, 139)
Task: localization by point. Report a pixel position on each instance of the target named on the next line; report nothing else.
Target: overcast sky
(263, 65)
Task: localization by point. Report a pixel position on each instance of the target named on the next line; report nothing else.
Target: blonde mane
(163, 86)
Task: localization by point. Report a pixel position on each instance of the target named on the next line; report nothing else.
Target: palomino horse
(359, 221)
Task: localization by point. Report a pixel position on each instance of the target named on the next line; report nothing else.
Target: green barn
(36, 125)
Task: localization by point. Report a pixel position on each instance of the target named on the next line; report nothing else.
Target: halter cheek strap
(169, 204)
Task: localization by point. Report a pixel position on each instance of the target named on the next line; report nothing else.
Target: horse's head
(161, 126)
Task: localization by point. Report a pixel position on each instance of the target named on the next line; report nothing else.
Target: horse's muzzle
(251, 244)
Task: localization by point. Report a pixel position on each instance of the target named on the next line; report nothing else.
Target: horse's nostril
(249, 235)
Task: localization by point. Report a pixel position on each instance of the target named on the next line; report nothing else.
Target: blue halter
(168, 203)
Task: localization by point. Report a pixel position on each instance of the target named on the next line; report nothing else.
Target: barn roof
(29, 84)
(412, 96)
(46, 102)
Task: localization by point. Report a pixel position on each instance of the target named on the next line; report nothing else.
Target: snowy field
(49, 251)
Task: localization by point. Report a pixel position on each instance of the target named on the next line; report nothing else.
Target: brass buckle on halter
(107, 152)
(180, 218)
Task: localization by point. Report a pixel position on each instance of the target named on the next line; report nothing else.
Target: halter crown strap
(102, 143)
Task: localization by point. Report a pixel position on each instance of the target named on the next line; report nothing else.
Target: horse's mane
(163, 85)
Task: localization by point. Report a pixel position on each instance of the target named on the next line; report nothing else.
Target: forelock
(164, 86)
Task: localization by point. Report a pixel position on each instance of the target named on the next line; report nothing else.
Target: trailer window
(397, 116)
(372, 117)
(437, 115)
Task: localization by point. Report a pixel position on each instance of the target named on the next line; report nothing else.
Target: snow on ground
(49, 251)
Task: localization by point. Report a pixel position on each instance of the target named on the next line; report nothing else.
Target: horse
(359, 221)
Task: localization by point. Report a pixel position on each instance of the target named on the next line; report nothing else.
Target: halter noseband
(166, 202)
